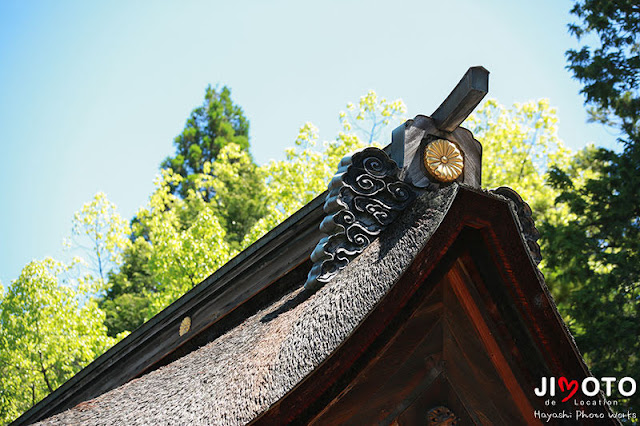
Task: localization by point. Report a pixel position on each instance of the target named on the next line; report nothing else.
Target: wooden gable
(469, 326)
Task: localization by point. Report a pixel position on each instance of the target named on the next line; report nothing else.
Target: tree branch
(44, 373)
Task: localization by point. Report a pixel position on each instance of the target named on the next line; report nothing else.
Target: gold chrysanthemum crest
(443, 160)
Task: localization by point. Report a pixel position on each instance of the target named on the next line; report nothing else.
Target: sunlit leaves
(210, 127)
(213, 196)
(185, 239)
(519, 146)
(371, 115)
(240, 193)
(103, 233)
(599, 252)
(49, 330)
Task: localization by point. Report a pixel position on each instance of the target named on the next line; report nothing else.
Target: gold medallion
(185, 325)
(443, 160)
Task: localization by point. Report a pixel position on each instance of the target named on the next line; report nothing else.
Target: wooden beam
(467, 94)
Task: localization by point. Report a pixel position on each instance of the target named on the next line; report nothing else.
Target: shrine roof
(241, 373)
(286, 322)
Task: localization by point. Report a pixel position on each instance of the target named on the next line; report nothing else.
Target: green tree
(520, 145)
(217, 133)
(599, 252)
(371, 116)
(186, 242)
(49, 329)
(211, 160)
(127, 297)
(240, 192)
(102, 233)
(99, 229)
(210, 127)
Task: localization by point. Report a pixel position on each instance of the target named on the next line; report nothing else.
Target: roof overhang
(505, 297)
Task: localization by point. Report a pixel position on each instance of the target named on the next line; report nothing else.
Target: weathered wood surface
(462, 100)
(415, 351)
(410, 139)
(441, 338)
(260, 273)
(467, 302)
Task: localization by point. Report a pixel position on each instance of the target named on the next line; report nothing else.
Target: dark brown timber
(467, 94)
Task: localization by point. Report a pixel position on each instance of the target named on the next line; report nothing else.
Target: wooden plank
(480, 405)
(462, 100)
(471, 213)
(490, 346)
(331, 377)
(466, 366)
(484, 357)
(440, 393)
(421, 330)
(509, 331)
(410, 139)
(379, 392)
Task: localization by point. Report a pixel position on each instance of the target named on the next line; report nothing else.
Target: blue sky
(92, 93)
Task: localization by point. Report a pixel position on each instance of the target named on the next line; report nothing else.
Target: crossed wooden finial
(434, 150)
(462, 100)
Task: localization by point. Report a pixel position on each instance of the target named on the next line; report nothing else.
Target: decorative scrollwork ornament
(364, 197)
(528, 228)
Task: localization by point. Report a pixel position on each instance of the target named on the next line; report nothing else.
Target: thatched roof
(234, 378)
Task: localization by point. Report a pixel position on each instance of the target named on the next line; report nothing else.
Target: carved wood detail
(441, 416)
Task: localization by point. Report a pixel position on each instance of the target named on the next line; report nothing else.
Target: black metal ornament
(364, 197)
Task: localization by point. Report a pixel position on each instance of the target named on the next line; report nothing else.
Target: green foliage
(180, 240)
(186, 241)
(211, 202)
(216, 138)
(99, 223)
(49, 330)
(127, 297)
(609, 72)
(371, 116)
(240, 192)
(598, 258)
(519, 145)
(597, 255)
(210, 127)
(212, 175)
